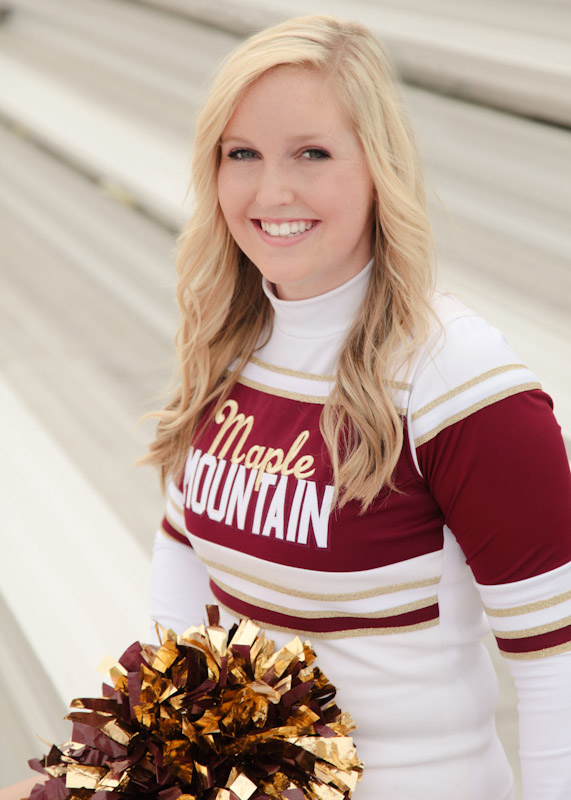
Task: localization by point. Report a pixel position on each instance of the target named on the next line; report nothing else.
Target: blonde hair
(225, 313)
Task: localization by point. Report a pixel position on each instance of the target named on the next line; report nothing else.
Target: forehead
(290, 78)
(290, 98)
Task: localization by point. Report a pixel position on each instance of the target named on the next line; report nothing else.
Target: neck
(328, 314)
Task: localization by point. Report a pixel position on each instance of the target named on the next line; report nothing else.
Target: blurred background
(98, 100)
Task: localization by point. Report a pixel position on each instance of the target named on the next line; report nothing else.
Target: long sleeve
(544, 692)
(498, 470)
(179, 581)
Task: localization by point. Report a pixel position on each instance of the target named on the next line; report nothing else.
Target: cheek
(230, 193)
(360, 198)
(349, 190)
(231, 201)
(224, 194)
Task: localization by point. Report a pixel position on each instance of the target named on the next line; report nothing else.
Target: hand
(22, 789)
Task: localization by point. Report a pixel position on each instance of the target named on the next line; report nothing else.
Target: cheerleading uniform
(395, 600)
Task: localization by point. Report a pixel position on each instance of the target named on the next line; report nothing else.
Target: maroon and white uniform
(395, 600)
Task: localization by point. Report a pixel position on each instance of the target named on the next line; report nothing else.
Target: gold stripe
(169, 534)
(529, 607)
(395, 587)
(399, 385)
(306, 398)
(292, 372)
(419, 626)
(310, 376)
(389, 612)
(488, 401)
(551, 626)
(175, 505)
(548, 651)
(463, 386)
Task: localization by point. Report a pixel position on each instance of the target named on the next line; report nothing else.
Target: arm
(544, 692)
(502, 479)
(20, 790)
(179, 585)
(179, 580)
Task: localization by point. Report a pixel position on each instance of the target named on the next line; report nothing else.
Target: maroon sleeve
(501, 477)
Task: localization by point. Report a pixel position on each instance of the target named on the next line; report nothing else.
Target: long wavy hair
(225, 315)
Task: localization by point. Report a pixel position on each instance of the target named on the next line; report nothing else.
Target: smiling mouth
(286, 230)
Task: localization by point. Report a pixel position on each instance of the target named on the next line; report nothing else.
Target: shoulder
(465, 365)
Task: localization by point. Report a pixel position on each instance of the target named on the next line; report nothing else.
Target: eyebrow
(302, 137)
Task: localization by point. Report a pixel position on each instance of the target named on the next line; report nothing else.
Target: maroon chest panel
(258, 480)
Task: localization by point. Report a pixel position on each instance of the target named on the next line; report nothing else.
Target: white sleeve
(544, 704)
(530, 620)
(179, 585)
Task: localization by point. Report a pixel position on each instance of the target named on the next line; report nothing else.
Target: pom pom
(207, 715)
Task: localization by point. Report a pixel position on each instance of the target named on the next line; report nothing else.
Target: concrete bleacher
(98, 100)
(510, 54)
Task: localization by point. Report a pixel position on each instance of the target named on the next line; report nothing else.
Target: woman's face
(294, 186)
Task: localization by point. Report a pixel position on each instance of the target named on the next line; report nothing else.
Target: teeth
(285, 228)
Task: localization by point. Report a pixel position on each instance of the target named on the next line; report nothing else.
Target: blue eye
(241, 154)
(315, 154)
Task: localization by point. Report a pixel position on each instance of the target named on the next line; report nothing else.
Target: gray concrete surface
(512, 54)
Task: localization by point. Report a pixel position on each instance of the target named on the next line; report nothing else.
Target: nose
(274, 187)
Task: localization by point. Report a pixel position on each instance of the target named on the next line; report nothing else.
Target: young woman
(352, 455)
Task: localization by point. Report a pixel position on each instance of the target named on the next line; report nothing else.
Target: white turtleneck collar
(328, 314)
